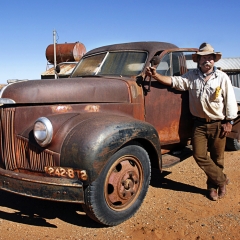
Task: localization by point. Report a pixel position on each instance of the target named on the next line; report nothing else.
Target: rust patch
(61, 108)
(92, 108)
(170, 132)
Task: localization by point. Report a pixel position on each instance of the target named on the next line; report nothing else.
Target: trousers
(208, 151)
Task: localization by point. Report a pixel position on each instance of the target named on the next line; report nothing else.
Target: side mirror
(155, 61)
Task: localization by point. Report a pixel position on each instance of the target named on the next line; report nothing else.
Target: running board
(174, 157)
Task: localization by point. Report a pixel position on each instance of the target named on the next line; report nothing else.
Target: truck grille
(16, 151)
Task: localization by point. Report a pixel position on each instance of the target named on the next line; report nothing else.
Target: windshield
(124, 63)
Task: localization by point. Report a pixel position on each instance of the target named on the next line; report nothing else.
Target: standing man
(213, 105)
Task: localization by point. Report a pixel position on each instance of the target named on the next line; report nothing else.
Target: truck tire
(121, 187)
(232, 144)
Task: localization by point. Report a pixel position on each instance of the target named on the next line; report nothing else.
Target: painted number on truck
(60, 172)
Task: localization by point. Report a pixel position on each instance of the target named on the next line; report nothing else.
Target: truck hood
(68, 90)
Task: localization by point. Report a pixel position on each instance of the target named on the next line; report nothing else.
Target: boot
(222, 190)
(213, 195)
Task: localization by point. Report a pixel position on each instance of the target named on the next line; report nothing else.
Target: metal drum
(66, 52)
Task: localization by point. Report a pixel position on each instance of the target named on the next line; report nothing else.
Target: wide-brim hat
(206, 49)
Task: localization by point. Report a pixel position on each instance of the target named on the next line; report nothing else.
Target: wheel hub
(123, 184)
(129, 185)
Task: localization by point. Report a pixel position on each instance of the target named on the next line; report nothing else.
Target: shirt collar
(199, 72)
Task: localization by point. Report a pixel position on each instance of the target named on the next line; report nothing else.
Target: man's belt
(206, 120)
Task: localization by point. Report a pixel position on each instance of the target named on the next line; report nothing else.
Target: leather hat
(206, 49)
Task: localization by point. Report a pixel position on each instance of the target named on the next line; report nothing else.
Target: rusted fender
(91, 143)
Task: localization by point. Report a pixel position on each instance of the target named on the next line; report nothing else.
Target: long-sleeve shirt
(213, 99)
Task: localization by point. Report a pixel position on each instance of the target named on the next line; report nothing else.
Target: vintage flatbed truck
(94, 137)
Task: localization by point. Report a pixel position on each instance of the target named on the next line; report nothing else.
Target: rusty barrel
(65, 52)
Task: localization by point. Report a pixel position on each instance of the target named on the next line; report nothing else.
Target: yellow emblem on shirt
(217, 92)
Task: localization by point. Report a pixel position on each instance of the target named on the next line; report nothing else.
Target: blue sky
(27, 27)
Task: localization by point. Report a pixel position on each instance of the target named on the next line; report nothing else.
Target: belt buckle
(208, 120)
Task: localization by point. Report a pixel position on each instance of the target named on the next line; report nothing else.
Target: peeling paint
(61, 108)
(92, 108)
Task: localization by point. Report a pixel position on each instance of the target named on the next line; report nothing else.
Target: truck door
(166, 108)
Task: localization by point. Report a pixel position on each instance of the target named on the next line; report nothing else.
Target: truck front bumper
(49, 188)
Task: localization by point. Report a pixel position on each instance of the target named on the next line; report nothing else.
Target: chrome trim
(6, 101)
(49, 129)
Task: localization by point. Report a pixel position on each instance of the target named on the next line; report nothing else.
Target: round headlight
(43, 131)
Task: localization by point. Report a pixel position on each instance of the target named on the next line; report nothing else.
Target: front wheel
(121, 187)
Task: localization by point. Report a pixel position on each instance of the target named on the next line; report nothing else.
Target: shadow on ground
(160, 181)
(36, 212)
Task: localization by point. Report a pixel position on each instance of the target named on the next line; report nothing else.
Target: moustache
(206, 64)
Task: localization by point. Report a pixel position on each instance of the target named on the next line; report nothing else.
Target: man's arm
(151, 72)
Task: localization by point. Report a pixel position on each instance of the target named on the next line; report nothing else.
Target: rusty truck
(94, 138)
